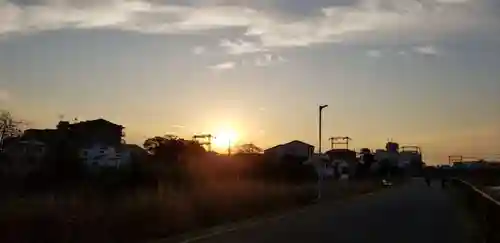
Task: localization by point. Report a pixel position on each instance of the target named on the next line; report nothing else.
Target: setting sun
(225, 138)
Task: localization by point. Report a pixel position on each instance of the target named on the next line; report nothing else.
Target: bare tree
(249, 148)
(9, 127)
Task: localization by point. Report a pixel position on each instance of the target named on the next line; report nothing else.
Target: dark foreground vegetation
(176, 188)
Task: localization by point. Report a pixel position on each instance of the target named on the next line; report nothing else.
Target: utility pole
(321, 107)
(322, 166)
(229, 147)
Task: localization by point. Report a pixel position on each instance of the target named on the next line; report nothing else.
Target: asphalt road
(409, 213)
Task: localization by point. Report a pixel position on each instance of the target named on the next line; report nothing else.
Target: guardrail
(485, 208)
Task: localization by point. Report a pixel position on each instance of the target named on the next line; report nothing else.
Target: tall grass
(218, 190)
(140, 213)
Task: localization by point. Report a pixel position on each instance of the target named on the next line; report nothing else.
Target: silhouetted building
(98, 131)
(344, 160)
(96, 142)
(392, 147)
(21, 157)
(297, 149)
(99, 142)
(342, 154)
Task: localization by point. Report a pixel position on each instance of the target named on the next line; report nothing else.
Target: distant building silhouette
(96, 142)
(294, 148)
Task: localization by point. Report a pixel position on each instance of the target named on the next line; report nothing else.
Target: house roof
(340, 150)
(274, 147)
(289, 143)
(47, 135)
(298, 142)
(43, 135)
(97, 122)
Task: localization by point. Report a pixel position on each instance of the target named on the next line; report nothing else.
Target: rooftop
(97, 122)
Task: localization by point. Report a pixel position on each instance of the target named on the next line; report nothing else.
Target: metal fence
(485, 208)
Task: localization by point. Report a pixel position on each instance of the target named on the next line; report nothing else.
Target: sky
(419, 72)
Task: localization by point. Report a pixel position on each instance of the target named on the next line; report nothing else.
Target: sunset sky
(421, 72)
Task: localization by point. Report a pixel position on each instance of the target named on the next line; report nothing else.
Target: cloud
(178, 126)
(363, 21)
(452, 1)
(4, 95)
(268, 60)
(198, 50)
(239, 47)
(223, 66)
(374, 53)
(425, 50)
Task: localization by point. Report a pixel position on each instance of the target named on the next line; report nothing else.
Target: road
(408, 213)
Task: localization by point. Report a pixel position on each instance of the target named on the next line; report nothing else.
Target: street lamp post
(322, 166)
(321, 107)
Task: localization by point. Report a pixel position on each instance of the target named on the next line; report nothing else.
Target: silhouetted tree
(249, 148)
(171, 158)
(161, 146)
(171, 148)
(9, 127)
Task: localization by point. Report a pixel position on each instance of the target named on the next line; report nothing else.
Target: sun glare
(225, 138)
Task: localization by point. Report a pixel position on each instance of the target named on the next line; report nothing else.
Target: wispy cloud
(178, 126)
(377, 18)
(374, 53)
(268, 60)
(198, 50)
(426, 50)
(452, 1)
(241, 47)
(223, 66)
